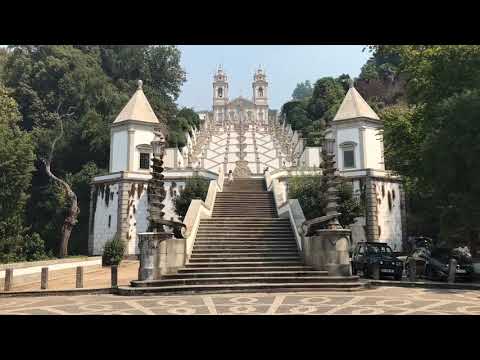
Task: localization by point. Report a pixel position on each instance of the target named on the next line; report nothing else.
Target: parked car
(376, 260)
(434, 263)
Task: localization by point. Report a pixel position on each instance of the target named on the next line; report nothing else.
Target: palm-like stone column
(160, 252)
(327, 248)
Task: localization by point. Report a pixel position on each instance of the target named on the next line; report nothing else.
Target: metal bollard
(79, 282)
(452, 270)
(8, 279)
(44, 279)
(114, 270)
(412, 265)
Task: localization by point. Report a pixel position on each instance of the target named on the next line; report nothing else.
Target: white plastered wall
(102, 232)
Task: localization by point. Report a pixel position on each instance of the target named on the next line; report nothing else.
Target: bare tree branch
(73, 212)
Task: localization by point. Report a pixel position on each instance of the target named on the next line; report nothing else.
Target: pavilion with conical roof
(359, 155)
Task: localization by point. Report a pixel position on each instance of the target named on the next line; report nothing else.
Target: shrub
(195, 188)
(113, 251)
(34, 248)
(311, 194)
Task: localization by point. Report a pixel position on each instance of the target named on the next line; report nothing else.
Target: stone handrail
(290, 209)
(199, 209)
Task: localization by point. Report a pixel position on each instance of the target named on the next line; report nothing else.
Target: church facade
(248, 138)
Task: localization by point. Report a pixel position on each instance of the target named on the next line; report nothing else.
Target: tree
(434, 143)
(195, 188)
(94, 82)
(327, 96)
(303, 91)
(310, 191)
(16, 167)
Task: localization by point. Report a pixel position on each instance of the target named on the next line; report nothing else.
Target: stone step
(249, 258)
(202, 235)
(240, 248)
(248, 262)
(240, 214)
(246, 218)
(201, 254)
(283, 226)
(245, 231)
(244, 280)
(236, 268)
(260, 273)
(246, 287)
(207, 240)
(250, 220)
(243, 236)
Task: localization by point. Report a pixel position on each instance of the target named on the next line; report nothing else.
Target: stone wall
(105, 216)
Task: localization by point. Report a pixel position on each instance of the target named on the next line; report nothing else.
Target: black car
(434, 263)
(375, 259)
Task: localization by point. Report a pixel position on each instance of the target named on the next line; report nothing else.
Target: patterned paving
(385, 300)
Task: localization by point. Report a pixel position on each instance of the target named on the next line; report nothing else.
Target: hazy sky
(285, 67)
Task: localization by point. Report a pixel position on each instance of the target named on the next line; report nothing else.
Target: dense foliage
(81, 88)
(195, 188)
(429, 99)
(310, 191)
(309, 113)
(16, 167)
(432, 140)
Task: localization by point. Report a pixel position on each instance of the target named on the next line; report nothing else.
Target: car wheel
(398, 277)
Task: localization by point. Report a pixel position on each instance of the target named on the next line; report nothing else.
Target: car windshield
(375, 249)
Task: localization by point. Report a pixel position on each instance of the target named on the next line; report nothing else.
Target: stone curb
(426, 285)
(84, 291)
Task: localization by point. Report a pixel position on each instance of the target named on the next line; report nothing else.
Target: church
(253, 141)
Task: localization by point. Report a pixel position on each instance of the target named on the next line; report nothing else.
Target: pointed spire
(354, 106)
(138, 108)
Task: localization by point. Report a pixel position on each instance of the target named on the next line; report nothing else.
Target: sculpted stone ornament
(153, 260)
(241, 169)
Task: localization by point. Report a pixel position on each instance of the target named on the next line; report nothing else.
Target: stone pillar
(91, 219)
(114, 275)
(44, 279)
(79, 277)
(328, 250)
(8, 279)
(160, 254)
(412, 265)
(362, 149)
(403, 210)
(122, 214)
(131, 149)
(371, 208)
(452, 269)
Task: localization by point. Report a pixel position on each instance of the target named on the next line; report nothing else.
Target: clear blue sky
(286, 65)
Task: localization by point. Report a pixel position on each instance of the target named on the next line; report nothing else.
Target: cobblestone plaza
(379, 301)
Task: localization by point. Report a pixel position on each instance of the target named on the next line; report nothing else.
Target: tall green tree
(84, 87)
(302, 91)
(16, 167)
(437, 149)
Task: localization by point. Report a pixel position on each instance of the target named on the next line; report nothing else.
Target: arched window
(220, 92)
(260, 91)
